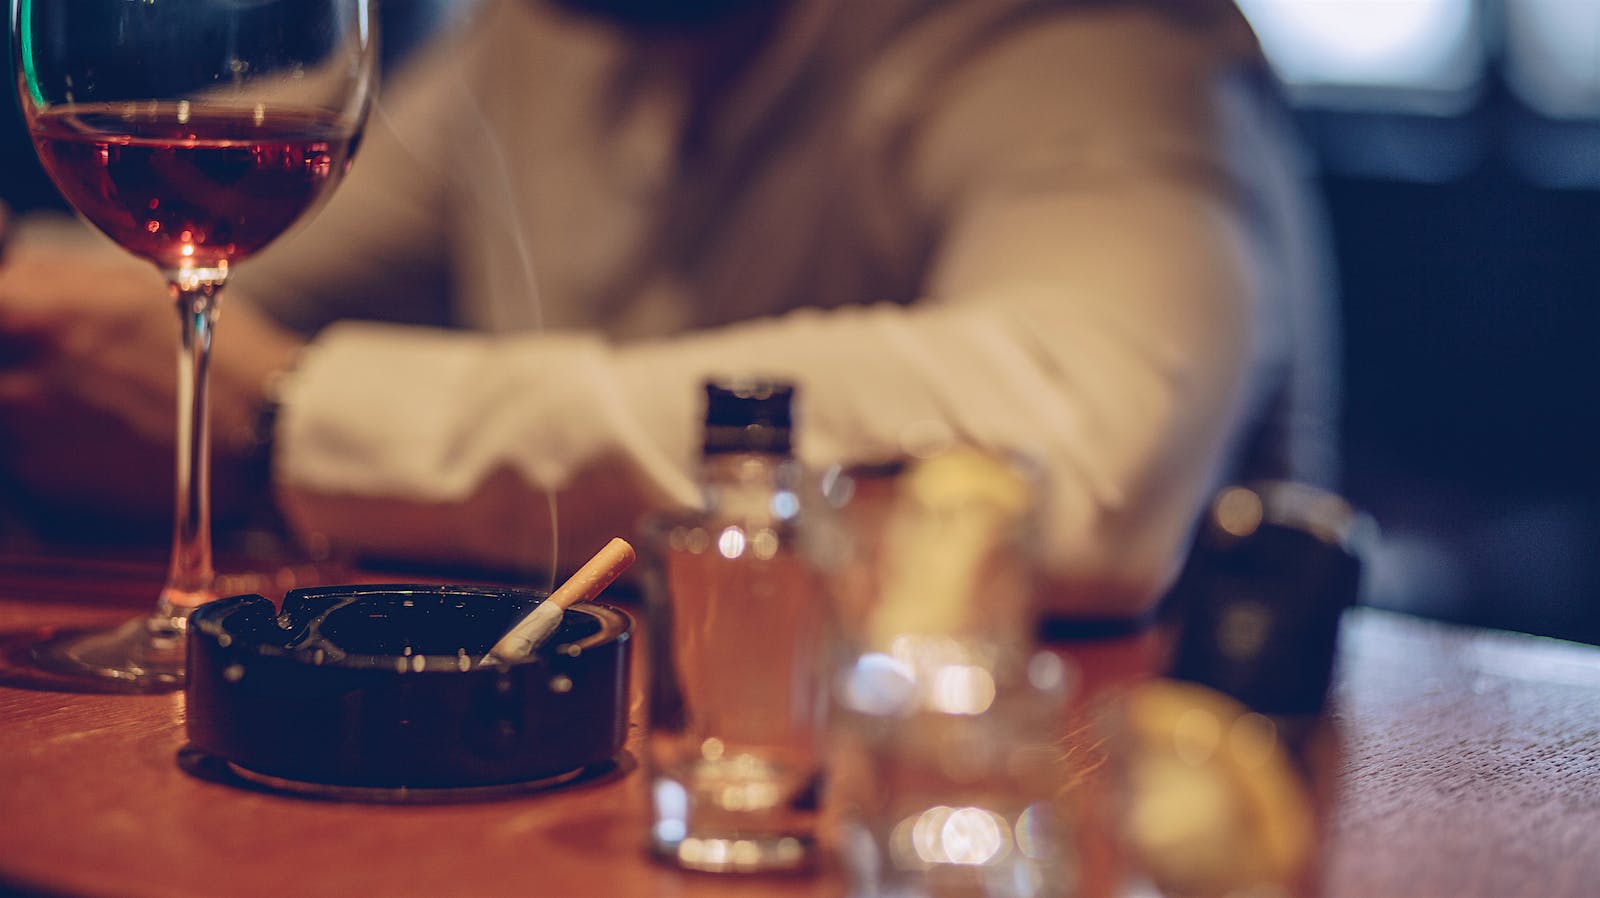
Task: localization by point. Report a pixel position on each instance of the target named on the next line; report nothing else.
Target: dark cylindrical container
(1275, 568)
(381, 687)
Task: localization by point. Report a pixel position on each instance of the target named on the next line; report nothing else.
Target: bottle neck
(750, 484)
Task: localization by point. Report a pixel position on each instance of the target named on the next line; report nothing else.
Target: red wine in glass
(186, 185)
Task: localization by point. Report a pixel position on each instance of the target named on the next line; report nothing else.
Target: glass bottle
(735, 746)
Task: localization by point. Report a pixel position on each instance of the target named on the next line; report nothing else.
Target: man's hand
(88, 341)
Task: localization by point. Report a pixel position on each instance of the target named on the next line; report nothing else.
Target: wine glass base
(144, 654)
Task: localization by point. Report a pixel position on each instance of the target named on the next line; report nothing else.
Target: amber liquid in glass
(737, 770)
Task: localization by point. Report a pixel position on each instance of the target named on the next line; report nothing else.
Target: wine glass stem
(190, 575)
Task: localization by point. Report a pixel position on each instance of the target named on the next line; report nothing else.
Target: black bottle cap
(1274, 568)
(749, 416)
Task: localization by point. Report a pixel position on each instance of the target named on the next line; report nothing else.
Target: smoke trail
(498, 205)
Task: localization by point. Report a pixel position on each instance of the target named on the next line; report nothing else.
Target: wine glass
(193, 133)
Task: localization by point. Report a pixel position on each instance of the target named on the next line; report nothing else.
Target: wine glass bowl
(192, 133)
(188, 188)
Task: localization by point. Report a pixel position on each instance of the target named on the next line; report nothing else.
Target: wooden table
(1471, 768)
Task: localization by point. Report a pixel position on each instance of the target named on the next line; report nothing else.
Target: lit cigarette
(595, 575)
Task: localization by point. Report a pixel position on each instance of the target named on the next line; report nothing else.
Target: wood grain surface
(1471, 767)
(1472, 763)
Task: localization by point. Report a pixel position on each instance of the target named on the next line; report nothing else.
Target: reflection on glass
(944, 763)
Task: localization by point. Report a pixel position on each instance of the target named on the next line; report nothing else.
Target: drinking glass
(943, 760)
(193, 133)
(735, 747)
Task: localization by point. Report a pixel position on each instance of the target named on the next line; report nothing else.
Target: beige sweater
(1072, 230)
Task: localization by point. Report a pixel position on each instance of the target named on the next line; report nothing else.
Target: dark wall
(1470, 356)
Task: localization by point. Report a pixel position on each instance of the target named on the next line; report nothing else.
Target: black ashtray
(379, 691)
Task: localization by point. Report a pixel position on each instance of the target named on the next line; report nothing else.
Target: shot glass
(736, 741)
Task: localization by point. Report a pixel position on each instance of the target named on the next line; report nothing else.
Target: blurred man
(1075, 230)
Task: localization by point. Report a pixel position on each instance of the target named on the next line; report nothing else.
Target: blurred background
(1458, 147)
